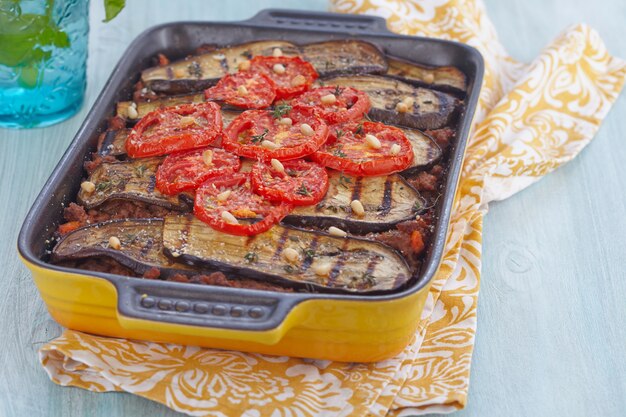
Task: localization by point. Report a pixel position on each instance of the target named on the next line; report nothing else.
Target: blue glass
(43, 56)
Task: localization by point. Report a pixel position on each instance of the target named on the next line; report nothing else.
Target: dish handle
(211, 311)
(323, 21)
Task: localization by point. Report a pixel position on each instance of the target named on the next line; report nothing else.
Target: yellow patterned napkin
(531, 119)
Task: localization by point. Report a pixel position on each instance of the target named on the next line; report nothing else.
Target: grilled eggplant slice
(448, 79)
(141, 239)
(348, 56)
(431, 109)
(114, 142)
(196, 73)
(133, 180)
(387, 200)
(425, 150)
(146, 107)
(356, 265)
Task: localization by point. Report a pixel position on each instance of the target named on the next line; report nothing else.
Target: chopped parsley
(104, 185)
(303, 190)
(261, 137)
(309, 254)
(339, 152)
(251, 257)
(281, 110)
(194, 69)
(344, 181)
(140, 170)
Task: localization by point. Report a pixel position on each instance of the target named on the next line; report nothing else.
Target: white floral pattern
(531, 119)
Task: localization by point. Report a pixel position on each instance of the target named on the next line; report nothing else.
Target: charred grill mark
(385, 205)
(341, 260)
(281, 243)
(224, 64)
(146, 248)
(308, 260)
(152, 183)
(371, 266)
(356, 190)
(170, 73)
(399, 280)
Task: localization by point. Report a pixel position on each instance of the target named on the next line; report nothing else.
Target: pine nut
(335, 231)
(88, 187)
(278, 68)
(244, 65)
(219, 57)
(409, 101)
(277, 165)
(322, 268)
(372, 141)
(223, 196)
(277, 52)
(329, 99)
(402, 107)
(207, 157)
(395, 149)
(229, 218)
(298, 80)
(357, 208)
(306, 129)
(269, 145)
(131, 112)
(429, 78)
(242, 90)
(187, 121)
(285, 121)
(291, 255)
(114, 243)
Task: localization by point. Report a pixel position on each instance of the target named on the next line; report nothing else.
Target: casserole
(344, 327)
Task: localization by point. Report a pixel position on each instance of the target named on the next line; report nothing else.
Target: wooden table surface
(552, 310)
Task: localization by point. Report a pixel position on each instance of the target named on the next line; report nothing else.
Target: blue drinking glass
(43, 56)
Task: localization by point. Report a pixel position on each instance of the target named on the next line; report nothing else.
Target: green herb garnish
(261, 137)
(338, 91)
(369, 279)
(309, 254)
(289, 269)
(194, 69)
(281, 110)
(344, 181)
(359, 129)
(339, 152)
(251, 257)
(303, 190)
(339, 133)
(102, 186)
(140, 170)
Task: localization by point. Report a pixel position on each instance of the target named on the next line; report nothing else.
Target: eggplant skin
(146, 107)
(130, 180)
(114, 142)
(141, 245)
(387, 200)
(431, 109)
(448, 79)
(352, 264)
(196, 73)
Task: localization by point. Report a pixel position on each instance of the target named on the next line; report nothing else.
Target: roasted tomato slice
(172, 129)
(366, 149)
(298, 182)
(245, 89)
(186, 170)
(283, 133)
(292, 75)
(336, 104)
(228, 204)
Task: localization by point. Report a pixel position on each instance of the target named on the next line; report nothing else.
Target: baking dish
(343, 327)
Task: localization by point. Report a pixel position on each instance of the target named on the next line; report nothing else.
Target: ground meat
(75, 212)
(99, 264)
(442, 136)
(152, 273)
(163, 60)
(410, 238)
(424, 182)
(117, 123)
(125, 209)
(204, 49)
(96, 161)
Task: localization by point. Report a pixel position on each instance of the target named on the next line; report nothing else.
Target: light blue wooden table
(552, 312)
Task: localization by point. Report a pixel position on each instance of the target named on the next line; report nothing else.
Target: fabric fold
(532, 118)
